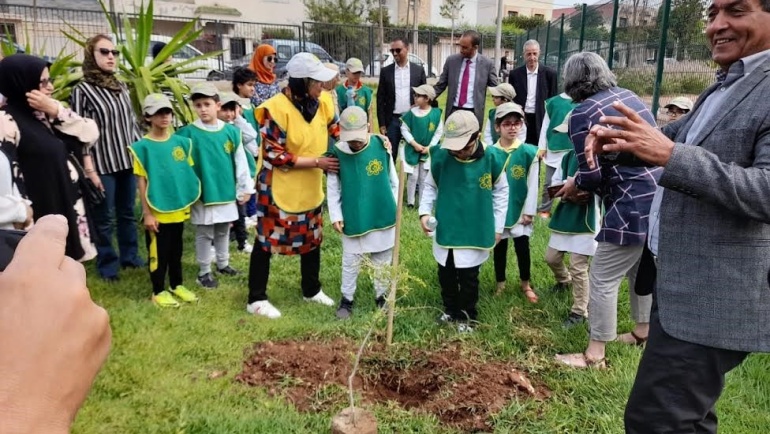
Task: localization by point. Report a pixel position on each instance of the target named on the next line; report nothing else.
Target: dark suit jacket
(546, 88)
(386, 91)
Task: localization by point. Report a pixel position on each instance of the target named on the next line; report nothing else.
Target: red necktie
(464, 84)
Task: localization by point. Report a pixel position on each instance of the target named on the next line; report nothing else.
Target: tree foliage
(339, 27)
(523, 22)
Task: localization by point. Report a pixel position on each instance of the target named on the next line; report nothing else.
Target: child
(362, 204)
(470, 193)
(230, 112)
(523, 180)
(501, 94)
(678, 107)
(421, 128)
(353, 91)
(243, 86)
(224, 174)
(168, 187)
(552, 145)
(573, 229)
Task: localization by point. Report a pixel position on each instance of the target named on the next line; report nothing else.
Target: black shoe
(380, 301)
(228, 271)
(131, 266)
(345, 309)
(572, 320)
(207, 281)
(410, 206)
(559, 287)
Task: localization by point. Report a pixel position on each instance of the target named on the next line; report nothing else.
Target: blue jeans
(118, 207)
(394, 135)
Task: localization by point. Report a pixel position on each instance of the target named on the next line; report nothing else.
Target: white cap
(354, 125)
(154, 102)
(458, 129)
(682, 102)
(307, 65)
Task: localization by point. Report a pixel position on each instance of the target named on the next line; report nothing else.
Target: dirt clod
(455, 385)
(354, 421)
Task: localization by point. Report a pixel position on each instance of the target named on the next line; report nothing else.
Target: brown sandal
(531, 295)
(638, 341)
(584, 361)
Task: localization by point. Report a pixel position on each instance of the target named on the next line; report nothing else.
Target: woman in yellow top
(295, 128)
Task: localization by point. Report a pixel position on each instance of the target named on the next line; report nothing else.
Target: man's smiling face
(736, 29)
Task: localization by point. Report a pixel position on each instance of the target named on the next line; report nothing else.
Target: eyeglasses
(272, 58)
(395, 50)
(512, 124)
(107, 52)
(46, 81)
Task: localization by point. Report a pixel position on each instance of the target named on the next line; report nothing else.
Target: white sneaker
(247, 248)
(264, 308)
(321, 298)
(464, 328)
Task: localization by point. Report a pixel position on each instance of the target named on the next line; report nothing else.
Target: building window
(623, 22)
(513, 14)
(541, 16)
(237, 48)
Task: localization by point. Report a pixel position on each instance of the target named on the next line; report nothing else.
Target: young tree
(450, 10)
(338, 26)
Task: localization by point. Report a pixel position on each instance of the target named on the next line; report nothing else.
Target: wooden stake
(396, 248)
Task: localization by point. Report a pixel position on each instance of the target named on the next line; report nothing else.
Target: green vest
(464, 206)
(214, 156)
(422, 129)
(363, 97)
(571, 218)
(558, 108)
(367, 199)
(517, 172)
(171, 182)
(248, 114)
(491, 120)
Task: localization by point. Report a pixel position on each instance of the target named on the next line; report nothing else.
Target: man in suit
(467, 75)
(709, 229)
(533, 83)
(394, 93)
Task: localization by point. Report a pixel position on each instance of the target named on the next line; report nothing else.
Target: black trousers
(459, 289)
(170, 246)
(394, 134)
(521, 246)
(259, 272)
(533, 132)
(677, 384)
(239, 228)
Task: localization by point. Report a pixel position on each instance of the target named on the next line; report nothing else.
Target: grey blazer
(450, 77)
(713, 283)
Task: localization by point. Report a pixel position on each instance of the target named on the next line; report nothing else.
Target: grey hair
(586, 74)
(532, 43)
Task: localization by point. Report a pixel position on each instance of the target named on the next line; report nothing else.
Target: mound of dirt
(451, 383)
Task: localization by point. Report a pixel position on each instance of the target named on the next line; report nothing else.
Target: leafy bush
(278, 33)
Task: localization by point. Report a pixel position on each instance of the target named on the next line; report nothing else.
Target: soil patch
(451, 383)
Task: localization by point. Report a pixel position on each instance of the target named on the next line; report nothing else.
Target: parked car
(374, 69)
(210, 67)
(285, 49)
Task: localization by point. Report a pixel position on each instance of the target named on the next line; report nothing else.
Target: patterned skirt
(284, 233)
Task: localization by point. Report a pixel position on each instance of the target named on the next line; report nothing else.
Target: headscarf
(264, 75)
(94, 75)
(306, 105)
(19, 74)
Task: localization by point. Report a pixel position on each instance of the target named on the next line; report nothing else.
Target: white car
(374, 70)
(211, 67)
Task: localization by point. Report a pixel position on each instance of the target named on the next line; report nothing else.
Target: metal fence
(656, 50)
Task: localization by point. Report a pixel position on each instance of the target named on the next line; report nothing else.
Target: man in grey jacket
(709, 228)
(467, 75)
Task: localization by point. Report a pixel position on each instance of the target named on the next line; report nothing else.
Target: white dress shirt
(373, 242)
(471, 81)
(529, 105)
(465, 258)
(403, 83)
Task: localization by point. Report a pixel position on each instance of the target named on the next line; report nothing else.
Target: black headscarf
(19, 74)
(306, 104)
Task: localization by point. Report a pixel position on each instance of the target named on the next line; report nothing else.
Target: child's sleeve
(488, 134)
(406, 133)
(542, 143)
(437, 135)
(533, 182)
(245, 185)
(394, 184)
(428, 198)
(500, 202)
(334, 197)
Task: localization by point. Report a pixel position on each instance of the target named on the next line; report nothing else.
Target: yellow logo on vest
(517, 172)
(432, 127)
(178, 153)
(374, 167)
(362, 100)
(229, 147)
(485, 182)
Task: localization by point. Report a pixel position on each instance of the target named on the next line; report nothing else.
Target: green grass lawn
(157, 377)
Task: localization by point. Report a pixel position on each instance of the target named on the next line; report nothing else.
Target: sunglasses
(107, 52)
(395, 50)
(272, 58)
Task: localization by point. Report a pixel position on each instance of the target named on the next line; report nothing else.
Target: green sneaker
(185, 294)
(164, 299)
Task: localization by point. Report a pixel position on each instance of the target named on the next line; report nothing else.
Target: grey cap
(682, 102)
(307, 65)
(154, 102)
(205, 89)
(507, 108)
(504, 90)
(458, 129)
(354, 65)
(354, 125)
